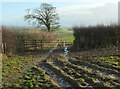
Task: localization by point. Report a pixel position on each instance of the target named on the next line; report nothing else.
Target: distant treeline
(96, 36)
(13, 39)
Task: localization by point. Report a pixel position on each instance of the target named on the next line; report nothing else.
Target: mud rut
(70, 72)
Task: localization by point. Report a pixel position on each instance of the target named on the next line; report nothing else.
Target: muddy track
(70, 82)
(83, 71)
(79, 73)
(59, 76)
(95, 67)
(67, 72)
(43, 72)
(85, 84)
(113, 79)
(98, 63)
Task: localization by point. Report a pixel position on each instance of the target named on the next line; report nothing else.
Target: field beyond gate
(37, 45)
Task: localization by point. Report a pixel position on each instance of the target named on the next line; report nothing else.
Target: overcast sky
(71, 12)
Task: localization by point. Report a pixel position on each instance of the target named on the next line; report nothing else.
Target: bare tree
(45, 15)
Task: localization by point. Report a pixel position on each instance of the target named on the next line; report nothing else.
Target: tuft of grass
(32, 78)
(13, 66)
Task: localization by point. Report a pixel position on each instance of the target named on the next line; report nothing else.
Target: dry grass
(12, 36)
(39, 35)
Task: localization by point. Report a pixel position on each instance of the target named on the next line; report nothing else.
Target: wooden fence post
(41, 44)
(35, 45)
(22, 45)
(4, 47)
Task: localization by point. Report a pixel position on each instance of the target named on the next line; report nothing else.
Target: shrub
(96, 36)
(9, 39)
(13, 39)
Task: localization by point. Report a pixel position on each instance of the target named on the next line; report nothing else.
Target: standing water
(66, 53)
(66, 58)
(60, 81)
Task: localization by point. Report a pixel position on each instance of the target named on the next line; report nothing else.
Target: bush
(13, 37)
(9, 40)
(96, 36)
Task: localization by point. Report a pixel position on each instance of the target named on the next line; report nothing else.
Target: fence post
(35, 45)
(4, 47)
(21, 45)
(41, 45)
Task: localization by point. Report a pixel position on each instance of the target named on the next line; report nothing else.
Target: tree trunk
(48, 28)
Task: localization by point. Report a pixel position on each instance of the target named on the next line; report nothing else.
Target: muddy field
(86, 69)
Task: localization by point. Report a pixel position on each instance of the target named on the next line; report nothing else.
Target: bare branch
(44, 15)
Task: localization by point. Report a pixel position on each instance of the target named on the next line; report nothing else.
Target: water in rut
(66, 58)
(59, 80)
(66, 51)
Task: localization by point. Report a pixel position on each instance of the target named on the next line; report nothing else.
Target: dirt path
(93, 75)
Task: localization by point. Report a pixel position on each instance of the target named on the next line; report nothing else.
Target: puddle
(65, 49)
(97, 81)
(51, 73)
(66, 53)
(113, 76)
(61, 82)
(86, 67)
(66, 58)
(87, 85)
(100, 72)
(58, 80)
(73, 76)
(51, 62)
(110, 75)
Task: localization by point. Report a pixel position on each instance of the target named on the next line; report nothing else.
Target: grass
(69, 38)
(105, 60)
(60, 32)
(32, 78)
(64, 33)
(13, 66)
(96, 59)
